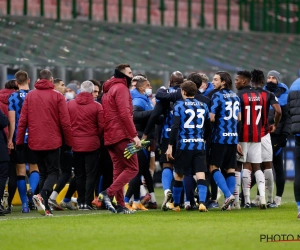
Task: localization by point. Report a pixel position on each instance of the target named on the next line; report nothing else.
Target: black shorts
(164, 148)
(26, 155)
(223, 155)
(186, 160)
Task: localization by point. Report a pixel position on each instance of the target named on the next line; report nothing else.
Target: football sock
(66, 200)
(153, 199)
(21, 183)
(246, 184)
(143, 190)
(53, 195)
(237, 186)
(202, 190)
(100, 184)
(230, 181)
(298, 205)
(220, 180)
(137, 201)
(260, 181)
(34, 180)
(126, 199)
(166, 178)
(177, 189)
(189, 187)
(269, 178)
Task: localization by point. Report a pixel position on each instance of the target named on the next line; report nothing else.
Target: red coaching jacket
(4, 95)
(117, 111)
(87, 122)
(45, 114)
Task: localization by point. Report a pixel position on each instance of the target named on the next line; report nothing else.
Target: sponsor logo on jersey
(230, 134)
(193, 140)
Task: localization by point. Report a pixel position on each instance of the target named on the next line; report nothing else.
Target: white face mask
(148, 92)
(202, 90)
(69, 96)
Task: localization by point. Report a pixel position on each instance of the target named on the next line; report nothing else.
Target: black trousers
(297, 169)
(4, 173)
(65, 167)
(85, 164)
(48, 163)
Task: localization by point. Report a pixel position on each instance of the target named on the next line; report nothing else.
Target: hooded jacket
(45, 114)
(117, 110)
(4, 95)
(284, 126)
(142, 108)
(87, 122)
(210, 87)
(294, 107)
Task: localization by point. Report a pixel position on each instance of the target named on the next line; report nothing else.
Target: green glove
(132, 149)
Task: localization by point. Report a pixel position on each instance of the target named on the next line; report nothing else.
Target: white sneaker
(38, 202)
(277, 200)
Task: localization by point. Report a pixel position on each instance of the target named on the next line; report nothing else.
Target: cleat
(227, 202)
(124, 210)
(96, 203)
(81, 207)
(146, 199)
(48, 212)
(236, 206)
(167, 199)
(255, 202)
(53, 204)
(277, 200)
(188, 207)
(151, 205)
(25, 210)
(202, 208)
(176, 209)
(88, 207)
(127, 205)
(170, 206)
(247, 205)
(31, 205)
(271, 205)
(3, 210)
(4, 202)
(10, 209)
(38, 202)
(103, 196)
(262, 203)
(138, 206)
(69, 205)
(212, 204)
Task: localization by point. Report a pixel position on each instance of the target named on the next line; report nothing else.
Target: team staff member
(87, 127)
(279, 136)
(4, 158)
(45, 115)
(119, 130)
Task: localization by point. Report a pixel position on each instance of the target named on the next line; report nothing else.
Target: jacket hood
(280, 85)
(112, 81)
(44, 84)
(4, 95)
(136, 94)
(84, 98)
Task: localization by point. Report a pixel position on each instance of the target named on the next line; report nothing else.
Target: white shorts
(266, 149)
(251, 151)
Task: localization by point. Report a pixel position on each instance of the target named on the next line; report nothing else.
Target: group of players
(204, 130)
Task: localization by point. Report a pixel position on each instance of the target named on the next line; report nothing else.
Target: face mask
(69, 96)
(148, 92)
(202, 90)
(272, 86)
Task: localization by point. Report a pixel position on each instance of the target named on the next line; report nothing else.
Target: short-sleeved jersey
(15, 103)
(167, 124)
(269, 99)
(192, 115)
(225, 104)
(251, 111)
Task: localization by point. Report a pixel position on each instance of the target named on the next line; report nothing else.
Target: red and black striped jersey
(251, 111)
(269, 99)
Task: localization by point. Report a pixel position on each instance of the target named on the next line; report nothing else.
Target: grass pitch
(236, 229)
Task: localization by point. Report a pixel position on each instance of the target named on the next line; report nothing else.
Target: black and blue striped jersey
(225, 104)
(189, 123)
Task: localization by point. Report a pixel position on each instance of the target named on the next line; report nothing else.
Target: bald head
(176, 78)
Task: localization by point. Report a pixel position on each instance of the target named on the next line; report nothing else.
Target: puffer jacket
(284, 126)
(117, 111)
(142, 108)
(4, 95)
(294, 106)
(45, 114)
(87, 122)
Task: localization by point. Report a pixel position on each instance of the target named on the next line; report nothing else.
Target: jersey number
(200, 114)
(257, 107)
(232, 110)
